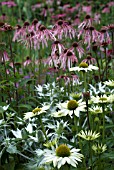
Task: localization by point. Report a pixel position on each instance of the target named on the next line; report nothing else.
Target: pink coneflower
(110, 4)
(97, 18)
(27, 61)
(74, 78)
(43, 35)
(76, 21)
(6, 27)
(9, 3)
(109, 27)
(104, 36)
(3, 17)
(20, 32)
(89, 60)
(106, 9)
(5, 57)
(67, 59)
(70, 9)
(87, 9)
(34, 26)
(57, 46)
(87, 22)
(76, 46)
(61, 28)
(89, 35)
(52, 60)
(65, 78)
(59, 16)
(34, 7)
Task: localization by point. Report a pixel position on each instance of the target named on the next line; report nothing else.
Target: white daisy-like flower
(102, 99)
(84, 67)
(99, 148)
(62, 155)
(70, 107)
(111, 98)
(95, 110)
(36, 111)
(88, 135)
(109, 83)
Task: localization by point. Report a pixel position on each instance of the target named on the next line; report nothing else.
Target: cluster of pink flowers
(9, 3)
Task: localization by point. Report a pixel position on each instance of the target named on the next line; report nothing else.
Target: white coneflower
(99, 148)
(88, 135)
(109, 83)
(102, 99)
(35, 112)
(95, 110)
(84, 67)
(62, 155)
(70, 107)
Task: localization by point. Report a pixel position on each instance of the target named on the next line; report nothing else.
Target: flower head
(95, 110)
(102, 99)
(62, 155)
(109, 83)
(99, 148)
(88, 135)
(84, 67)
(70, 107)
(35, 112)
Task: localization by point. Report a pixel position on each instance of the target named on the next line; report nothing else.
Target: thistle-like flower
(88, 135)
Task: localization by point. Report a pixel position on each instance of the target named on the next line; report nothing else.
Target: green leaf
(25, 106)
(11, 149)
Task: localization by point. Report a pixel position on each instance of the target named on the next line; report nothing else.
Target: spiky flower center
(103, 99)
(72, 105)
(63, 151)
(36, 110)
(83, 65)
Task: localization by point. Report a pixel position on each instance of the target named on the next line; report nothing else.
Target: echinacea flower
(62, 155)
(67, 58)
(88, 135)
(70, 107)
(37, 111)
(61, 28)
(109, 83)
(99, 148)
(84, 67)
(89, 59)
(102, 99)
(96, 110)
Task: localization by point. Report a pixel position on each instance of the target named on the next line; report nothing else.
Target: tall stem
(88, 114)
(43, 130)
(90, 150)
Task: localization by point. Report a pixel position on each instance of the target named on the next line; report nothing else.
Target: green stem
(88, 115)
(81, 149)
(103, 134)
(90, 150)
(43, 130)
(65, 167)
(85, 81)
